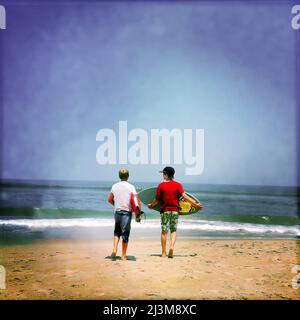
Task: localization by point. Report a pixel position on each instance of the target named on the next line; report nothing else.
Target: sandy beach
(200, 269)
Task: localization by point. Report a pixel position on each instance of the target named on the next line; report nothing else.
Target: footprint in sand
(151, 294)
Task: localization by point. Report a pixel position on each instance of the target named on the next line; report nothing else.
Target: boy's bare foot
(164, 254)
(170, 255)
(124, 258)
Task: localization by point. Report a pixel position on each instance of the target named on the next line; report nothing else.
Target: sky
(70, 70)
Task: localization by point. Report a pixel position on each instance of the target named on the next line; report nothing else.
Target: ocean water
(79, 209)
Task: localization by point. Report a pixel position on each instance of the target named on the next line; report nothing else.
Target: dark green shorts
(169, 220)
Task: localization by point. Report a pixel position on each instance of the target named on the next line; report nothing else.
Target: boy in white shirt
(119, 197)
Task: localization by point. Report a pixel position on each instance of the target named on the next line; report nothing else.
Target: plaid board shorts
(169, 220)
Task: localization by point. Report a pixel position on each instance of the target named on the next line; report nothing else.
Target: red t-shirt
(168, 193)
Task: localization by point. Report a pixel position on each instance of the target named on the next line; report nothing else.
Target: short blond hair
(123, 174)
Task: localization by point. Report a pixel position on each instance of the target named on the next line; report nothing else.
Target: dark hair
(169, 171)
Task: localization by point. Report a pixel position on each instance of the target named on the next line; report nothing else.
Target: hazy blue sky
(227, 68)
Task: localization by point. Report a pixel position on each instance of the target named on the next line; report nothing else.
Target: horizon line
(139, 181)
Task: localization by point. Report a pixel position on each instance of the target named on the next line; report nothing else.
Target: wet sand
(200, 269)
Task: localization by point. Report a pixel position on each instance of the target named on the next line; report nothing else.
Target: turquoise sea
(42, 209)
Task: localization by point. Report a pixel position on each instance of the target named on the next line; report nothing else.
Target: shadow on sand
(129, 258)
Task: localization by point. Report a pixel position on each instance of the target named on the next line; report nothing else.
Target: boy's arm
(191, 201)
(135, 194)
(139, 202)
(111, 199)
(155, 200)
(153, 204)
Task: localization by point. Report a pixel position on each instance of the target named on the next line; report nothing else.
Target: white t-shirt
(122, 191)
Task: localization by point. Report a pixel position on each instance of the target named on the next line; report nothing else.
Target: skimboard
(147, 196)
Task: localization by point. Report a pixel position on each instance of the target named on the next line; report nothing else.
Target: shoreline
(201, 269)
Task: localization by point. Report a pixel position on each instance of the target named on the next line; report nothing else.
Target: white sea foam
(240, 227)
(184, 224)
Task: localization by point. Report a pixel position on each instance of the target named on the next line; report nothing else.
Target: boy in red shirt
(168, 194)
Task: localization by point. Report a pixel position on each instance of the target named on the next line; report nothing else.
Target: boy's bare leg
(115, 247)
(173, 240)
(124, 250)
(164, 244)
